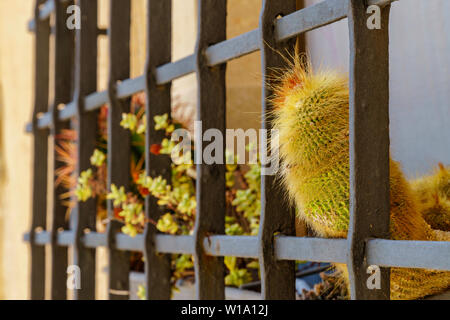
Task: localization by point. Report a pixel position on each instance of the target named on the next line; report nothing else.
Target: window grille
(75, 71)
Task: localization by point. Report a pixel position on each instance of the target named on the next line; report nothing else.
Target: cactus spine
(434, 198)
(311, 116)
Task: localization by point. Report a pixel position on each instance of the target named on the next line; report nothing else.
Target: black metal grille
(369, 167)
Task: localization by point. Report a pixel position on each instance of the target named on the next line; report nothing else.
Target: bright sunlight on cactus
(311, 112)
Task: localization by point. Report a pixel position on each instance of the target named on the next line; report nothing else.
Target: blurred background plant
(177, 196)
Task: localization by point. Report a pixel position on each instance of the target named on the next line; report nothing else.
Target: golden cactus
(311, 114)
(433, 193)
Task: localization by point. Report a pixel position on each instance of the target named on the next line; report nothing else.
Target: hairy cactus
(434, 198)
(311, 114)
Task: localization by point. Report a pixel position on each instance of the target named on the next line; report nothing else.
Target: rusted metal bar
(158, 102)
(210, 183)
(277, 277)
(369, 146)
(84, 215)
(119, 141)
(63, 68)
(40, 163)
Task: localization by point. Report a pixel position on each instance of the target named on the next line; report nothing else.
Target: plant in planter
(176, 196)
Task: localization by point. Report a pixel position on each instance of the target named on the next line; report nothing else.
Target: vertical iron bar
(158, 101)
(277, 277)
(301, 228)
(40, 164)
(118, 140)
(210, 183)
(63, 66)
(369, 145)
(300, 45)
(84, 215)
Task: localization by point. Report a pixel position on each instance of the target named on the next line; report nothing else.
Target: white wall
(419, 79)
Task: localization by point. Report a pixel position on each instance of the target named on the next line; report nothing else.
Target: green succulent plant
(177, 196)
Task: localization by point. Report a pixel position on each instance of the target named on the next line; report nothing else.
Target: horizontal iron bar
(95, 239)
(100, 31)
(316, 16)
(40, 238)
(418, 254)
(49, 6)
(310, 18)
(233, 246)
(384, 253)
(311, 249)
(175, 244)
(124, 242)
(94, 101)
(45, 120)
(233, 48)
(45, 12)
(307, 19)
(380, 3)
(69, 111)
(175, 70)
(66, 238)
(129, 87)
